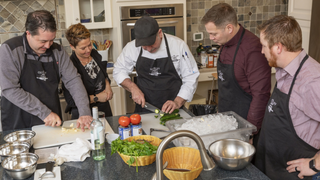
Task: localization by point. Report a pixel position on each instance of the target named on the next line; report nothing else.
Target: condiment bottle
(210, 59)
(97, 137)
(204, 58)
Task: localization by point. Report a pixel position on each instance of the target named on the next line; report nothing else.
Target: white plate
(56, 171)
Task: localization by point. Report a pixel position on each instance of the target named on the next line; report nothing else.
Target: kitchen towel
(77, 151)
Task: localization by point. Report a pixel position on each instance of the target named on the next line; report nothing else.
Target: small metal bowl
(231, 154)
(20, 166)
(20, 136)
(14, 148)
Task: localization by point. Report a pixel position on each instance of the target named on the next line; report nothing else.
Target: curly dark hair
(76, 33)
(40, 19)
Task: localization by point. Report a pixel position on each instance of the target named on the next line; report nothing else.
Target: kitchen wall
(13, 15)
(250, 14)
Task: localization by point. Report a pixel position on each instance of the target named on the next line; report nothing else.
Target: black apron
(231, 96)
(40, 79)
(91, 85)
(157, 79)
(278, 142)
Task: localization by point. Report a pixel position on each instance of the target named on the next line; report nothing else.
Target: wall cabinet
(301, 11)
(94, 14)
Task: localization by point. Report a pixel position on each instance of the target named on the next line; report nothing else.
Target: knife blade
(152, 108)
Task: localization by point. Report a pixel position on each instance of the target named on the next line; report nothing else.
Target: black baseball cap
(145, 31)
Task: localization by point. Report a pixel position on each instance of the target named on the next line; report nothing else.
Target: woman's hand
(108, 91)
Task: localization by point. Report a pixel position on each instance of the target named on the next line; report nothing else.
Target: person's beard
(272, 60)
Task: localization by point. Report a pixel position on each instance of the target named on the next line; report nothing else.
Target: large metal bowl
(20, 166)
(14, 148)
(21, 136)
(231, 154)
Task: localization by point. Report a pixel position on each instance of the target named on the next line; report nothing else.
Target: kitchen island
(113, 167)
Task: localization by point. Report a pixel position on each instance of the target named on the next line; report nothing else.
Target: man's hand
(136, 93)
(84, 121)
(52, 120)
(170, 106)
(301, 165)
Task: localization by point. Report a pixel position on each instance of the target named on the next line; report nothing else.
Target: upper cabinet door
(300, 9)
(94, 14)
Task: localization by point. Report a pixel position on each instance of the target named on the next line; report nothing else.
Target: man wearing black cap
(167, 73)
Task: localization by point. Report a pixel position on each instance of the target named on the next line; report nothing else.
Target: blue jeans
(316, 176)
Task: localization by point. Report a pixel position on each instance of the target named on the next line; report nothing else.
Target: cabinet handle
(167, 22)
(77, 19)
(210, 76)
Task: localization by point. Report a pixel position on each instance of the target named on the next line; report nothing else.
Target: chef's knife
(152, 108)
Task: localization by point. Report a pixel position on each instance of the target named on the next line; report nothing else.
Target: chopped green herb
(156, 116)
(133, 149)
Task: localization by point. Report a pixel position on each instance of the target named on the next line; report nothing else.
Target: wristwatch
(312, 165)
(95, 99)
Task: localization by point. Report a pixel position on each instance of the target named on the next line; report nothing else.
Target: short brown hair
(40, 19)
(282, 29)
(76, 33)
(221, 15)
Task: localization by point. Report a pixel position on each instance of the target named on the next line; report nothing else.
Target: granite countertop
(113, 167)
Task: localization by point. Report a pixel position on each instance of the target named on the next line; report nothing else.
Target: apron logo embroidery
(175, 58)
(154, 71)
(272, 103)
(220, 75)
(99, 86)
(42, 76)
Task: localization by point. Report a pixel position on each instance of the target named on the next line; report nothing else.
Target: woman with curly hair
(93, 72)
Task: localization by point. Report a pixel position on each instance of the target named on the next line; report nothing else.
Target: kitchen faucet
(206, 161)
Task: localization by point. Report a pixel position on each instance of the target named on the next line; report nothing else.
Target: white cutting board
(149, 121)
(47, 136)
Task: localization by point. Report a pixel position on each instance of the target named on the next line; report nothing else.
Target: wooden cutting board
(47, 136)
(149, 121)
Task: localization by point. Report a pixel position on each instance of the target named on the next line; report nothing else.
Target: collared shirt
(251, 70)
(304, 103)
(12, 59)
(181, 56)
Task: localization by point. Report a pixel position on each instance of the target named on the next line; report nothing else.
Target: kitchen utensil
(231, 154)
(111, 137)
(142, 160)
(21, 136)
(179, 170)
(14, 148)
(56, 170)
(44, 135)
(20, 166)
(49, 173)
(152, 108)
(183, 163)
(149, 121)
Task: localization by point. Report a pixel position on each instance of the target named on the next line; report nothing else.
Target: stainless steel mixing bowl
(231, 154)
(21, 136)
(20, 166)
(9, 149)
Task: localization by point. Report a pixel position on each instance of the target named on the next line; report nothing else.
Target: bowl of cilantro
(137, 150)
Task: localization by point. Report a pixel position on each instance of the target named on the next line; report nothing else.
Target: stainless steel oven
(169, 18)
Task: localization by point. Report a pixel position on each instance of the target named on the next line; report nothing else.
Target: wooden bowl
(142, 160)
(182, 158)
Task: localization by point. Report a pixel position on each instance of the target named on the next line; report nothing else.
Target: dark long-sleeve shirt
(252, 72)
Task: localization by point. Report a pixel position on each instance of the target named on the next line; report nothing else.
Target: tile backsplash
(250, 14)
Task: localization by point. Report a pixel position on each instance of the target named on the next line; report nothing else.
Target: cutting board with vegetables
(47, 136)
(150, 121)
